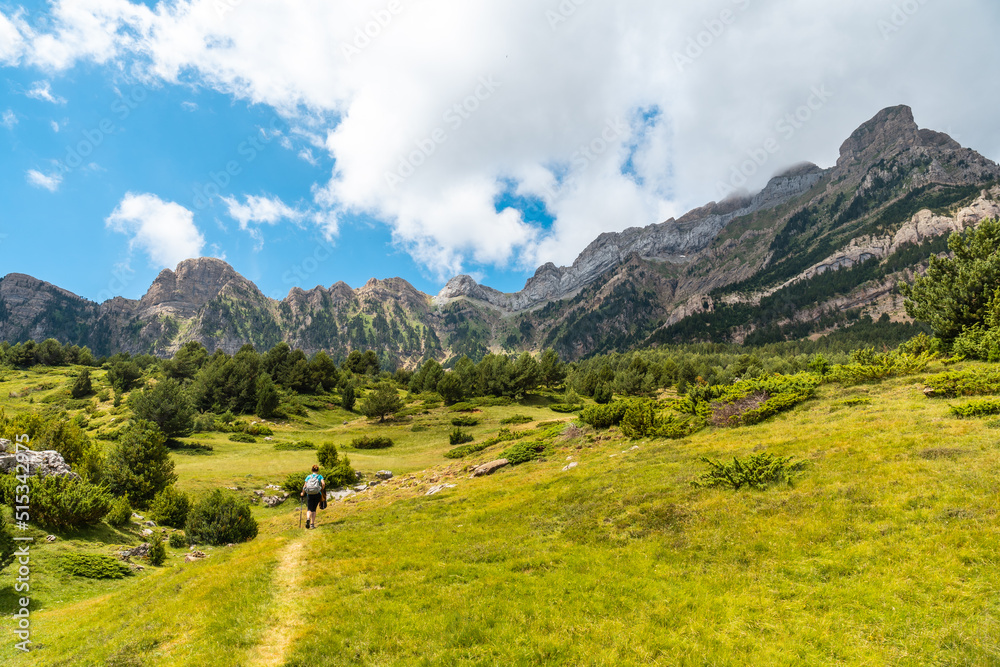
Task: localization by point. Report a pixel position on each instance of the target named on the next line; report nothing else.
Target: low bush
(170, 508)
(219, 519)
(640, 419)
(95, 566)
(757, 471)
(301, 445)
(459, 437)
(157, 552)
(983, 408)
(604, 416)
(462, 407)
(372, 442)
(465, 450)
(517, 419)
(465, 421)
(63, 502)
(976, 342)
(565, 408)
(867, 365)
(242, 437)
(523, 452)
(969, 382)
(178, 541)
(119, 514)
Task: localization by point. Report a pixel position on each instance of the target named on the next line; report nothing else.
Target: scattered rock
(374, 482)
(439, 488)
(195, 555)
(149, 524)
(361, 487)
(268, 439)
(137, 517)
(570, 466)
(383, 474)
(50, 538)
(273, 487)
(146, 532)
(141, 551)
(339, 495)
(259, 493)
(489, 468)
(273, 501)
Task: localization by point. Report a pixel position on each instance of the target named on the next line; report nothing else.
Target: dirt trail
(286, 610)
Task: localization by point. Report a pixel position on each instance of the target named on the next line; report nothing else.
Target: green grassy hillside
(882, 551)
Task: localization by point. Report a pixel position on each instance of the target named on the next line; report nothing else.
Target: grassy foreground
(882, 552)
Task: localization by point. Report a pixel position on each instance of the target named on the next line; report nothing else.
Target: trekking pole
(300, 511)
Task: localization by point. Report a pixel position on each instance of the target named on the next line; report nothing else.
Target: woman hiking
(314, 489)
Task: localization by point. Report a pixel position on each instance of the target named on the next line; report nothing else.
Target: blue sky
(428, 138)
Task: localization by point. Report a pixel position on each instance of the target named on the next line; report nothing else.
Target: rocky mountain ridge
(841, 233)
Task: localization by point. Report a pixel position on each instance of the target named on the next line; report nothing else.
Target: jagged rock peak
(891, 130)
(191, 285)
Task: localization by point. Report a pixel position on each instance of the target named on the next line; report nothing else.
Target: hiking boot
(307, 524)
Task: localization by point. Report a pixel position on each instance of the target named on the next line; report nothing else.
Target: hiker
(314, 489)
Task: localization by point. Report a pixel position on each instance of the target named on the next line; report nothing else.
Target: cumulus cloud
(165, 231)
(9, 119)
(49, 182)
(612, 115)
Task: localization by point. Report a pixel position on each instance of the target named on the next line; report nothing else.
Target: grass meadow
(883, 551)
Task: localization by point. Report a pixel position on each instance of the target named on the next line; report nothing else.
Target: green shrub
(517, 419)
(220, 519)
(178, 541)
(465, 421)
(640, 419)
(605, 416)
(465, 450)
(95, 566)
(372, 442)
(120, 513)
(867, 365)
(565, 408)
(757, 471)
(327, 455)
(970, 382)
(462, 407)
(603, 394)
(139, 465)
(753, 400)
(157, 552)
(523, 452)
(258, 429)
(301, 445)
(459, 437)
(170, 508)
(977, 342)
(63, 502)
(242, 437)
(984, 408)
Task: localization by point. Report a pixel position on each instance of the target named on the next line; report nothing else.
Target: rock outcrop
(41, 464)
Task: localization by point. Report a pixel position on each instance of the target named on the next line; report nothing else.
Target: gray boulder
(41, 464)
(489, 468)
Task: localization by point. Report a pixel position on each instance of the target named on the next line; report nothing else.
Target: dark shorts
(313, 501)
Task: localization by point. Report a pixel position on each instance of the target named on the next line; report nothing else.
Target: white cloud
(555, 79)
(9, 119)
(55, 126)
(50, 182)
(189, 106)
(260, 211)
(42, 90)
(163, 230)
(12, 42)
